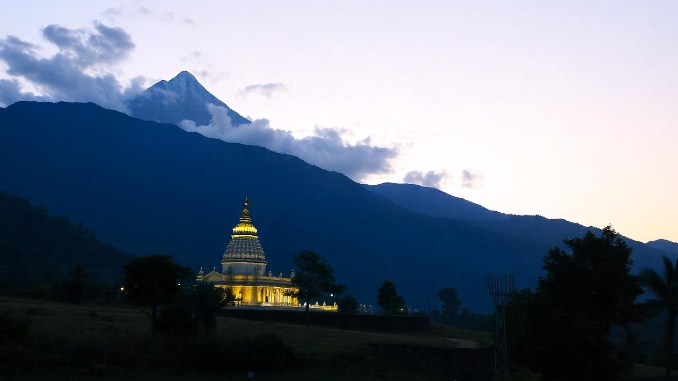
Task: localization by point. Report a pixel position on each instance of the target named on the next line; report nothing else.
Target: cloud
(326, 149)
(10, 92)
(114, 13)
(78, 72)
(265, 89)
(428, 179)
(470, 179)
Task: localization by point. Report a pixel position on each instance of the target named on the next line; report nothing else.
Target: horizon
(563, 111)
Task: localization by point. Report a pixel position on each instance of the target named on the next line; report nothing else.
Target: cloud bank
(78, 72)
(326, 149)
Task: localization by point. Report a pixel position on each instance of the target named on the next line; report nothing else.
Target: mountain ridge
(664, 244)
(552, 232)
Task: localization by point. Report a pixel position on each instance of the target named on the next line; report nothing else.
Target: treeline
(581, 322)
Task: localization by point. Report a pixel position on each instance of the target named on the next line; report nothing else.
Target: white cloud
(326, 149)
(428, 179)
(264, 89)
(470, 179)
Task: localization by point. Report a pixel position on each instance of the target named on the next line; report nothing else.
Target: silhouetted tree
(313, 276)
(389, 300)
(348, 304)
(567, 321)
(205, 301)
(664, 290)
(451, 304)
(152, 281)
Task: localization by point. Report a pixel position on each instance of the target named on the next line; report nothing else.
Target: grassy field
(84, 342)
(81, 342)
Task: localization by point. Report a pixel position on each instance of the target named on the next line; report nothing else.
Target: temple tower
(244, 254)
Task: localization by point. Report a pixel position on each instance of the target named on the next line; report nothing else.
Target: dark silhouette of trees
(205, 301)
(664, 291)
(564, 334)
(388, 299)
(153, 281)
(451, 305)
(348, 304)
(314, 277)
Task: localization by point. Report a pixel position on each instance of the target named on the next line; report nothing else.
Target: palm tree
(664, 288)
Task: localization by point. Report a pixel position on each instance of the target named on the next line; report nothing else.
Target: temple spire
(244, 242)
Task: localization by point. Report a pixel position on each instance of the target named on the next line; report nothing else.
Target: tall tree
(314, 277)
(205, 301)
(153, 280)
(664, 291)
(389, 300)
(583, 294)
(451, 304)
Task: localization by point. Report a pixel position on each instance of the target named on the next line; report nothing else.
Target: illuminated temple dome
(244, 254)
(244, 269)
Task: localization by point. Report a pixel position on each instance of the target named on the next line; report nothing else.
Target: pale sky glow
(564, 109)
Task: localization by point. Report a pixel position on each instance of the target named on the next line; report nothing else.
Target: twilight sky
(562, 109)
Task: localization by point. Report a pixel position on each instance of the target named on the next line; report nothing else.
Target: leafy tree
(451, 304)
(205, 301)
(152, 281)
(389, 300)
(664, 289)
(569, 317)
(314, 277)
(348, 304)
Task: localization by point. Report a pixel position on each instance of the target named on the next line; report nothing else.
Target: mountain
(665, 245)
(183, 97)
(434, 202)
(36, 247)
(545, 231)
(148, 187)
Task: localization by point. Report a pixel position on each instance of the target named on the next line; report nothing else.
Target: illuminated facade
(243, 270)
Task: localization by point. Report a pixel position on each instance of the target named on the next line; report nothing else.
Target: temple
(243, 270)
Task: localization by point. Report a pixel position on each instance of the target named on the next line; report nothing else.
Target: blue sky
(563, 109)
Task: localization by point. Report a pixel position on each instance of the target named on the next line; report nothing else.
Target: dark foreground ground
(42, 340)
(55, 341)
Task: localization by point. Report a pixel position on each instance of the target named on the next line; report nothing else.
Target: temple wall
(267, 295)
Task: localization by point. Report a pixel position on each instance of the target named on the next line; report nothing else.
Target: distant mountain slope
(149, 187)
(549, 232)
(183, 97)
(434, 202)
(663, 244)
(35, 246)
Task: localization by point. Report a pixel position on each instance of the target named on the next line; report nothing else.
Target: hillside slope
(36, 247)
(546, 231)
